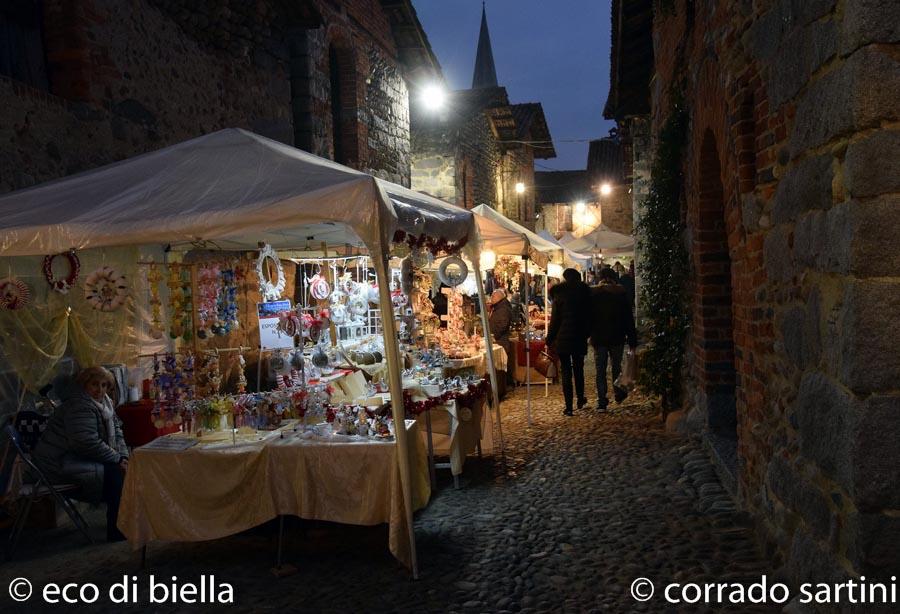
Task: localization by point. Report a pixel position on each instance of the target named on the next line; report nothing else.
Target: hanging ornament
(453, 271)
(226, 303)
(271, 291)
(153, 279)
(318, 287)
(14, 293)
(359, 306)
(62, 285)
(105, 289)
(242, 377)
(208, 289)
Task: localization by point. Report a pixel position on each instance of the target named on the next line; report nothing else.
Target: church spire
(485, 73)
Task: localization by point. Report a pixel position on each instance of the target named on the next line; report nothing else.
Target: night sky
(555, 53)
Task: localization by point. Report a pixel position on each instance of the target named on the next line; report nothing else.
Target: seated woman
(83, 444)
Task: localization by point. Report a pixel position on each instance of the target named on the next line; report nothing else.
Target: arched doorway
(713, 335)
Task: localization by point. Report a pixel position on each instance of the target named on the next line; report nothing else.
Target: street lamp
(520, 187)
(433, 97)
(605, 189)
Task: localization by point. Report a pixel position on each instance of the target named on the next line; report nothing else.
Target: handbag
(628, 376)
(546, 365)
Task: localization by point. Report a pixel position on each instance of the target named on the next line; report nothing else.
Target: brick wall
(130, 77)
(792, 213)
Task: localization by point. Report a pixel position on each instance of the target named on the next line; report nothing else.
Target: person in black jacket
(568, 334)
(612, 323)
(83, 443)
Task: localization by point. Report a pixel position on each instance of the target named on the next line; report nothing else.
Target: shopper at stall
(500, 321)
(568, 334)
(83, 443)
(612, 324)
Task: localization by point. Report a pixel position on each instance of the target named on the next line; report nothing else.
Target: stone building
(84, 83)
(791, 202)
(481, 146)
(580, 200)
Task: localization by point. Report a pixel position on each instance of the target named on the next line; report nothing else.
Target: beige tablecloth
(206, 493)
(457, 430)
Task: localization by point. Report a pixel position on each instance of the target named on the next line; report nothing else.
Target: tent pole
(395, 383)
(527, 346)
(489, 344)
(546, 328)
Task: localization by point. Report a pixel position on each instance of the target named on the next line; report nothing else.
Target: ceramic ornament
(359, 306)
(105, 289)
(271, 291)
(450, 277)
(318, 287)
(14, 293)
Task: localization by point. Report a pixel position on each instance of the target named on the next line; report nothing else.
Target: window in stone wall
(22, 43)
(344, 103)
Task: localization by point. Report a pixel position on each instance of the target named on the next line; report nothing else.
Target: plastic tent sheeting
(602, 239)
(231, 188)
(571, 258)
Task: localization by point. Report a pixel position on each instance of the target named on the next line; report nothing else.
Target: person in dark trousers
(568, 334)
(626, 279)
(612, 324)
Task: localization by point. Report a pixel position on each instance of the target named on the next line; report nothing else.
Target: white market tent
(582, 260)
(601, 240)
(233, 189)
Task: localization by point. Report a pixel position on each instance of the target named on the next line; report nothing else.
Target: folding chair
(40, 488)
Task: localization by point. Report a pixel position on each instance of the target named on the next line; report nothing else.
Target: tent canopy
(232, 188)
(574, 258)
(503, 236)
(601, 239)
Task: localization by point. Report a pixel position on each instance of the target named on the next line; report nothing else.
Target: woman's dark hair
(608, 273)
(571, 275)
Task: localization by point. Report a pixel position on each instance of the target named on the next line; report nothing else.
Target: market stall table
(212, 490)
(478, 362)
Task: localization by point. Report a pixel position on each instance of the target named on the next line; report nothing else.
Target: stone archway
(713, 325)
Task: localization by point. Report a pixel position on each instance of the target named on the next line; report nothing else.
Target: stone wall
(617, 211)
(792, 214)
(130, 77)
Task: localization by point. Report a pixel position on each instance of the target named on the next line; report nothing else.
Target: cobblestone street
(583, 506)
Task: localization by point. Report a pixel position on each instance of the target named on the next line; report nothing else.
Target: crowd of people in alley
(596, 311)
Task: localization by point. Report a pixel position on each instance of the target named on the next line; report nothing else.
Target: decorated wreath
(105, 289)
(450, 277)
(62, 285)
(270, 291)
(14, 293)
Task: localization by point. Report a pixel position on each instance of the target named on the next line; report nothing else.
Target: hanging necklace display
(172, 387)
(226, 303)
(105, 289)
(153, 279)
(180, 305)
(62, 285)
(14, 293)
(209, 378)
(270, 291)
(208, 289)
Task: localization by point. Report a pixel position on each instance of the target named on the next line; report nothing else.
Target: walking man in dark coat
(612, 324)
(568, 333)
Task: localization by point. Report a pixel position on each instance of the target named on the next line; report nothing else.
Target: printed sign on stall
(270, 338)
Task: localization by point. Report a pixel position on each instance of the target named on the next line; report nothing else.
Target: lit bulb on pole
(605, 189)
